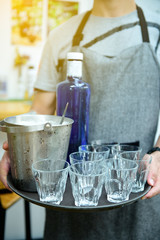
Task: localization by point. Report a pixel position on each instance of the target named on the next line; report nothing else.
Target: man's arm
(154, 173)
(44, 102)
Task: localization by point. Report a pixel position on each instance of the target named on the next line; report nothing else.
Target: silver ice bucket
(32, 138)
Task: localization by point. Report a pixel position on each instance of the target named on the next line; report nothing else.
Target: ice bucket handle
(48, 127)
(19, 129)
(6, 128)
(3, 127)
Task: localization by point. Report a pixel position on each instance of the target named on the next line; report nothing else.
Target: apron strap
(79, 35)
(143, 25)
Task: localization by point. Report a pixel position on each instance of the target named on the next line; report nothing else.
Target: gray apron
(125, 97)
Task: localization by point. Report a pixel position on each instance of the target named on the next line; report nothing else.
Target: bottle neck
(74, 69)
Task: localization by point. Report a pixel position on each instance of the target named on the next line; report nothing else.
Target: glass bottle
(77, 93)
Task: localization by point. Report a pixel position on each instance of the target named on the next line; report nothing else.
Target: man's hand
(154, 176)
(5, 166)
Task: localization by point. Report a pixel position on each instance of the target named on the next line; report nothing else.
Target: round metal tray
(68, 202)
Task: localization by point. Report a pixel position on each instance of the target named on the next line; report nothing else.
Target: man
(120, 63)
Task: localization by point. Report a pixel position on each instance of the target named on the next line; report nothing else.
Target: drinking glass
(50, 177)
(78, 157)
(110, 145)
(119, 178)
(87, 179)
(119, 148)
(131, 155)
(142, 170)
(93, 150)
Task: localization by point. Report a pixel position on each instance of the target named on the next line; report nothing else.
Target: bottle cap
(75, 56)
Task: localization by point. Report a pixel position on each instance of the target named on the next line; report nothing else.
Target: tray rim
(110, 206)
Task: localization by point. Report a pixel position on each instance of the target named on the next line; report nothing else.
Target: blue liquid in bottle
(77, 93)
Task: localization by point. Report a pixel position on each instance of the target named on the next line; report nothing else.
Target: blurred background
(24, 26)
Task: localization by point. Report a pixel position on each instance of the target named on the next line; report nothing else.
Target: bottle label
(74, 68)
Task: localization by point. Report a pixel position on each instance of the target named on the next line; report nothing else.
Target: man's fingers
(5, 146)
(153, 192)
(154, 179)
(4, 169)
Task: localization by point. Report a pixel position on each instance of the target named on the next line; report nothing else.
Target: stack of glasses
(119, 168)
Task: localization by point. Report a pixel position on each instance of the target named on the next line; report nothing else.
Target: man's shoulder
(60, 39)
(152, 16)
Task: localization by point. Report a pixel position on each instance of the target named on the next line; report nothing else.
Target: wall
(15, 226)
(15, 85)
(15, 215)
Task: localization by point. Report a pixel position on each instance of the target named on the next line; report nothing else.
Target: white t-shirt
(59, 41)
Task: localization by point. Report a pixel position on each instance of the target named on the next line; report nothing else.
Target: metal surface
(30, 123)
(26, 147)
(63, 115)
